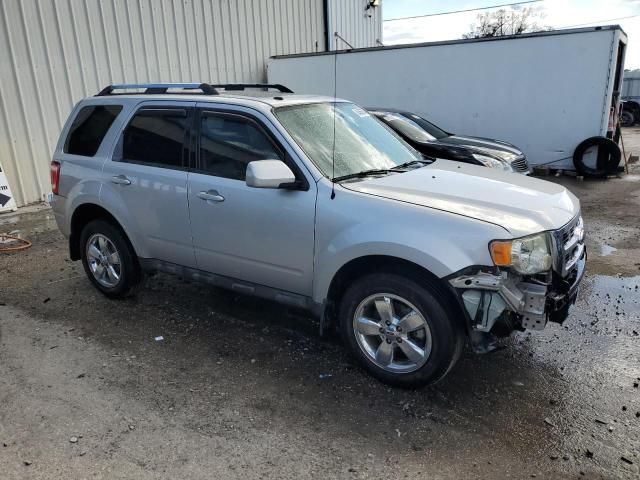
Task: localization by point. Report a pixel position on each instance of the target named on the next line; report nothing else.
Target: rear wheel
(109, 260)
(399, 330)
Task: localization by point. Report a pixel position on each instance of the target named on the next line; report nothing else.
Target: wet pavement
(240, 387)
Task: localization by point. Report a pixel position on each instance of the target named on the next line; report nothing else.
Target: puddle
(611, 305)
(622, 285)
(606, 250)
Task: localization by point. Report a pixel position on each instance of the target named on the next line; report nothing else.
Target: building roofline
(548, 33)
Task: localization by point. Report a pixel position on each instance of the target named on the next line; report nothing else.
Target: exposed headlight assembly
(527, 255)
(493, 162)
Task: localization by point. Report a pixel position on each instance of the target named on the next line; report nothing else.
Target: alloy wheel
(104, 260)
(392, 333)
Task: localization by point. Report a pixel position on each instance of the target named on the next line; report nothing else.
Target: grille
(569, 246)
(520, 165)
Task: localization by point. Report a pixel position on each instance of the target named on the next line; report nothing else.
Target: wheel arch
(82, 215)
(364, 265)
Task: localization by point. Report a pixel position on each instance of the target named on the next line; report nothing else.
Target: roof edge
(546, 33)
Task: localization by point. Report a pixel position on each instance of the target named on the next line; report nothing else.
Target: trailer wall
(543, 92)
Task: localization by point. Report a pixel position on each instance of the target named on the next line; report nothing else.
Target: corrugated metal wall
(359, 26)
(55, 52)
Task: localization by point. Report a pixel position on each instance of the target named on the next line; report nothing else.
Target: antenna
(333, 149)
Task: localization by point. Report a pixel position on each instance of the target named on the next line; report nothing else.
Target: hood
(520, 204)
(484, 146)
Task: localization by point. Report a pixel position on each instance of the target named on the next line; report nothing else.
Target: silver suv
(312, 202)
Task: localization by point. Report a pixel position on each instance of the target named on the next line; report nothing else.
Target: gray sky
(556, 14)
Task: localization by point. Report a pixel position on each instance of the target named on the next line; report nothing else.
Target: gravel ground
(243, 388)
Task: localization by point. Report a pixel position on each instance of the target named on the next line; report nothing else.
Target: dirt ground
(242, 388)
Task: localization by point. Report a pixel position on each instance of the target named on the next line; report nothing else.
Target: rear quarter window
(89, 128)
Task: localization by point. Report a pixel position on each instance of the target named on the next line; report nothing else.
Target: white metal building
(55, 52)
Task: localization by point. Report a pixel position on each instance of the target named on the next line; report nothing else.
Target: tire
(109, 239)
(607, 162)
(441, 336)
(627, 119)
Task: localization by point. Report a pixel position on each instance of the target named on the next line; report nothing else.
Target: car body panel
(355, 224)
(262, 235)
(156, 204)
(520, 204)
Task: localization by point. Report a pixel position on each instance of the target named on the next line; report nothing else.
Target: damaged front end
(500, 299)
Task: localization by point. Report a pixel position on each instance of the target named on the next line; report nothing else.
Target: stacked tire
(608, 157)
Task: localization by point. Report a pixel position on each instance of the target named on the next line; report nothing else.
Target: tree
(506, 22)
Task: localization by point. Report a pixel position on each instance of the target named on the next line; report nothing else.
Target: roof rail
(242, 86)
(155, 88)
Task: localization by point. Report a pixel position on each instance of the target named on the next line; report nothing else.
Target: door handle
(211, 195)
(120, 180)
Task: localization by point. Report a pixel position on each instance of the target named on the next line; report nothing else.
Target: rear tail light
(55, 177)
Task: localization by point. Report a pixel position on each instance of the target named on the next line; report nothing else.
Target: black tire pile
(608, 157)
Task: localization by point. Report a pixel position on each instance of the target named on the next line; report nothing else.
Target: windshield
(361, 141)
(427, 126)
(407, 128)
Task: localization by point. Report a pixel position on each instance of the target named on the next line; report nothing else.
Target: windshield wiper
(362, 174)
(412, 162)
(367, 173)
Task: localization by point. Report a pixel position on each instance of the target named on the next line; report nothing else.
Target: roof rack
(242, 86)
(156, 88)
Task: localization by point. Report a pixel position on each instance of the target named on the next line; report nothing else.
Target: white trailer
(544, 92)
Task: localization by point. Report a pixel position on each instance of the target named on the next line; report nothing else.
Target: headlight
(493, 162)
(526, 255)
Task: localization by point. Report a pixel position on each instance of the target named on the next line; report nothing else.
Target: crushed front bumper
(560, 301)
(489, 296)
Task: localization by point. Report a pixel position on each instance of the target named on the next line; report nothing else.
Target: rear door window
(156, 136)
(89, 128)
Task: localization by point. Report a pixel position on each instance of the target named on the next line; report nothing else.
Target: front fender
(355, 225)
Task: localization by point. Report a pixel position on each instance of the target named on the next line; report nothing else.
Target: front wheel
(399, 330)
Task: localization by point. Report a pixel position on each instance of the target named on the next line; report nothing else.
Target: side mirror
(269, 174)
